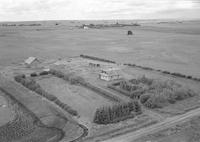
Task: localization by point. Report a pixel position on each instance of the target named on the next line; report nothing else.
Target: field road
(167, 123)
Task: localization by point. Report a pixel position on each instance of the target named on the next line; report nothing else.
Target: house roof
(109, 72)
(30, 60)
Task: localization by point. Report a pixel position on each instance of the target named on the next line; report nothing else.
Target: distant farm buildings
(85, 27)
(31, 62)
(109, 74)
(94, 65)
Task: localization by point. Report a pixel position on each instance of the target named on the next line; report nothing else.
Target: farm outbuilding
(109, 74)
(130, 33)
(31, 61)
(85, 27)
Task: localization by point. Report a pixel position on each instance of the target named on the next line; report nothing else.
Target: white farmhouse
(109, 74)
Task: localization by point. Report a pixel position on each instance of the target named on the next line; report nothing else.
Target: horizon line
(145, 19)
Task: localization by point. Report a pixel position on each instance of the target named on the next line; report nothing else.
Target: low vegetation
(116, 113)
(32, 85)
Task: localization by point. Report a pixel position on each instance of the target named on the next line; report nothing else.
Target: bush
(144, 98)
(125, 85)
(44, 73)
(33, 74)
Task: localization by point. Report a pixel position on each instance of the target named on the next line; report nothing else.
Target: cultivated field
(168, 46)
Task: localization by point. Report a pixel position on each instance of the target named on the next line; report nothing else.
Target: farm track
(117, 132)
(167, 123)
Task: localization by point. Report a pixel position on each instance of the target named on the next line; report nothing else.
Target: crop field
(55, 106)
(83, 100)
(173, 47)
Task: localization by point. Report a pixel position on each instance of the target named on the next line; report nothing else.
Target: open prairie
(172, 46)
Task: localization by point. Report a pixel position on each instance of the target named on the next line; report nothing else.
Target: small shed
(130, 33)
(31, 61)
(109, 74)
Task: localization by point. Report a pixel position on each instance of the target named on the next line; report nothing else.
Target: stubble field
(168, 46)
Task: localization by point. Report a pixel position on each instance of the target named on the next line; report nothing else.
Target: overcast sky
(26, 10)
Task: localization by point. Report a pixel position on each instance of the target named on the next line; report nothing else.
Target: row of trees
(70, 77)
(116, 113)
(125, 85)
(96, 58)
(6, 25)
(32, 85)
(165, 72)
(143, 80)
(135, 87)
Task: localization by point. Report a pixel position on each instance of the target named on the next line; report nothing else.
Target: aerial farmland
(64, 82)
